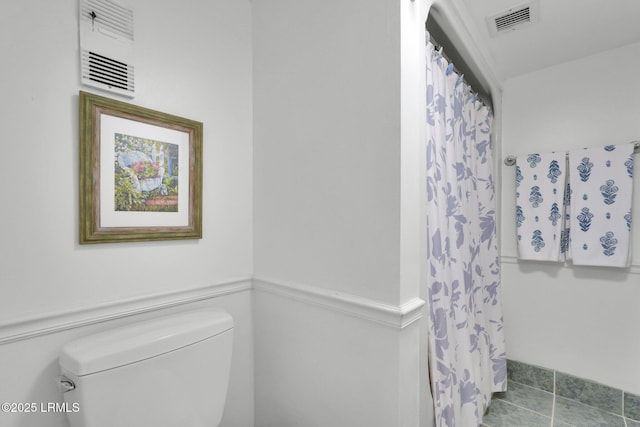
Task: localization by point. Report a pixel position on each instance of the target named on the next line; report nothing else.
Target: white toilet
(171, 371)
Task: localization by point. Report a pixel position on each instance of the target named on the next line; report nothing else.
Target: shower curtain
(467, 359)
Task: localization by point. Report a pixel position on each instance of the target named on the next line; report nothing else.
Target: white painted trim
(390, 315)
(30, 327)
(35, 326)
(509, 259)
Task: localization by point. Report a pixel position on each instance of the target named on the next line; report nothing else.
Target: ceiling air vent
(514, 18)
(106, 46)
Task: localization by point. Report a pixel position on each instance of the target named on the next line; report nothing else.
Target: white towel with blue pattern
(601, 181)
(540, 184)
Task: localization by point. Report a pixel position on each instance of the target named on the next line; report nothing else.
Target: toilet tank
(171, 371)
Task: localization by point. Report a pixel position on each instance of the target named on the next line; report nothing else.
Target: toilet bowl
(171, 371)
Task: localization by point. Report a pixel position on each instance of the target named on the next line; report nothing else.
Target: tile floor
(551, 399)
(525, 406)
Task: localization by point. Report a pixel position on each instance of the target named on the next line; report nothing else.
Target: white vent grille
(509, 20)
(106, 46)
(108, 17)
(513, 18)
(107, 71)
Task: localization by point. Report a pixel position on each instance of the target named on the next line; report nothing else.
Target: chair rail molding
(49, 323)
(510, 259)
(397, 316)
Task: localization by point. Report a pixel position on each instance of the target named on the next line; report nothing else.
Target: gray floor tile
(632, 406)
(504, 414)
(528, 398)
(530, 375)
(530, 402)
(589, 392)
(631, 423)
(577, 414)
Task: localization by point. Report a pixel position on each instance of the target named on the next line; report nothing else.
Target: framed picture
(140, 173)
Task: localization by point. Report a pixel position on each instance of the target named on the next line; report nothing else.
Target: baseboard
(399, 316)
(49, 323)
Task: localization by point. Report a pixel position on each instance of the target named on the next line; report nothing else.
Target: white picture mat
(109, 217)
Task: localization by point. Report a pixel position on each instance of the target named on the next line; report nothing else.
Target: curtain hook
(449, 69)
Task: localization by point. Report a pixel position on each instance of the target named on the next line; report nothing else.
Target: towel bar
(511, 160)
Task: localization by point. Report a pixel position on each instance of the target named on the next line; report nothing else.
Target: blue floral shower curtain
(467, 357)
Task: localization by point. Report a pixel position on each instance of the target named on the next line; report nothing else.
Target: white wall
(330, 212)
(327, 144)
(318, 367)
(193, 59)
(43, 267)
(580, 320)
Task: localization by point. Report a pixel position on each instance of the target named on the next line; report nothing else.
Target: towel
(600, 214)
(540, 184)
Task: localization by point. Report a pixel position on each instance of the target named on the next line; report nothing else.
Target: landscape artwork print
(146, 175)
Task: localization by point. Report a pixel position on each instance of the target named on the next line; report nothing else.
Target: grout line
(626, 420)
(578, 403)
(522, 407)
(553, 402)
(532, 387)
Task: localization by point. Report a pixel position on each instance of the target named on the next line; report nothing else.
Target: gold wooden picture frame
(140, 173)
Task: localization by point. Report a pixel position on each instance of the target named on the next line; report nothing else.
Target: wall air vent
(514, 18)
(106, 46)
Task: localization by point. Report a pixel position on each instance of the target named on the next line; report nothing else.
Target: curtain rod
(511, 160)
(440, 49)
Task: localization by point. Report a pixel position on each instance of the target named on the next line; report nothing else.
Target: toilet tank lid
(141, 340)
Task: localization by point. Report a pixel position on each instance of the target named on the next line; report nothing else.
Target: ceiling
(566, 30)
